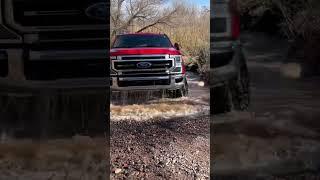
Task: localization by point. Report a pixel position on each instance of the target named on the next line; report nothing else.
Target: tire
(183, 92)
(185, 89)
(240, 88)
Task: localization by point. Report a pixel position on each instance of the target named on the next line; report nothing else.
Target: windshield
(134, 41)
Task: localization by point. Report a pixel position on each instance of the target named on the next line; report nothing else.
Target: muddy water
(149, 105)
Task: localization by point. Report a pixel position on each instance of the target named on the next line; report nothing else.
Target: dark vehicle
(230, 77)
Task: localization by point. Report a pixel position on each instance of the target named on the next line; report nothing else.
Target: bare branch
(165, 18)
(142, 13)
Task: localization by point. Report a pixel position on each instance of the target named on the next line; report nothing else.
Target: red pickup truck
(147, 61)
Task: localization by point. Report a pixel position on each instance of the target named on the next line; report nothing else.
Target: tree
(142, 13)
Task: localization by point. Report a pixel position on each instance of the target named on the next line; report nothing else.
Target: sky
(201, 3)
(198, 3)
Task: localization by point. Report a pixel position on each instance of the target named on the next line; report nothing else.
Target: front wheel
(182, 92)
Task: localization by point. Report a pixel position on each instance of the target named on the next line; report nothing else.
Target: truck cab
(147, 61)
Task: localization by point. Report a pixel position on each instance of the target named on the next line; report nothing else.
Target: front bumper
(176, 81)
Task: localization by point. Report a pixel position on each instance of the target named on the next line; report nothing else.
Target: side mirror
(177, 46)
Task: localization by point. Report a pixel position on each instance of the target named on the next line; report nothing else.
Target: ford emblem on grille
(97, 11)
(143, 65)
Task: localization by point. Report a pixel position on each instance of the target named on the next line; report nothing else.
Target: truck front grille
(143, 74)
(143, 83)
(74, 39)
(157, 65)
(134, 65)
(57, 69)
(39, 13)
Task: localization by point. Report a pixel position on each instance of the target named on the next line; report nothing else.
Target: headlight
(112, 72)
(178, 64)
(177, 59)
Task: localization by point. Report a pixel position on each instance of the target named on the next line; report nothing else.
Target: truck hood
(143, 51)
